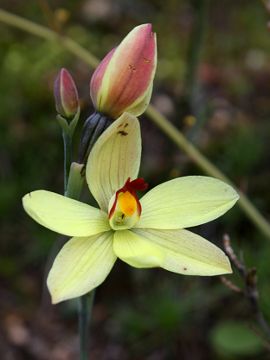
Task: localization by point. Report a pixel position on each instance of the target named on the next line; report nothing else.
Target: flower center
(127, 203)
(125, 208)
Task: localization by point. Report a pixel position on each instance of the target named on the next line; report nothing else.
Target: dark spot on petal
(185, 268)
(132, 67)
(126, 125)
(122, 133)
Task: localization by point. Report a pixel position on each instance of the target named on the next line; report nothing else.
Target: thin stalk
(73, 186)
(178, 138)
(74, 191)
(85, 311)
(84, 306)
(164, 124)
(45, 33)
(67, 141)
(195, 47)
(195, 97)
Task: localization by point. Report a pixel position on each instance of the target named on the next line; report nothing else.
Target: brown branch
(230, 285)
(230, 252)
(250, 290)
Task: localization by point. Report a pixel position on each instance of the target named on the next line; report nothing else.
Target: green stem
(73, 183)
(195, 47)
(85, 311)
(45, 33)
(85, 302)
(174, 134)
(67, 141)
(196, 102)
(178, 138)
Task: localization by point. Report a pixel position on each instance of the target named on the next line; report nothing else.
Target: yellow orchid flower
(144, 233)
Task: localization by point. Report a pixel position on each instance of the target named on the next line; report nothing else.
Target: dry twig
(250, 290)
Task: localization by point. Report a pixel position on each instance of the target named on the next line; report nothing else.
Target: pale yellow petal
(64, 215)
(179, 251)
(114, 158)
(185, 202)
(136, 251)
(81, 265)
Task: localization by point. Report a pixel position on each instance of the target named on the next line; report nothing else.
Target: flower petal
(187, 253)
(81, 265)
(64, 215)
(96, 79)
(179, 251)
(114, 158)
(185, 202)
(136, 251)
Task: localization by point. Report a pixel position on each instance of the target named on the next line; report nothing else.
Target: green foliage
(242, 151)
(234, 339)
(159, 313)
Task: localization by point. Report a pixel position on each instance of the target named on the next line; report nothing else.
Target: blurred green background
(223, 107)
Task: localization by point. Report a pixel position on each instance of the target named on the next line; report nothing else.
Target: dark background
(223, 108)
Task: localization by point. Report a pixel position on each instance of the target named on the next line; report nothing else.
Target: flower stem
(171, 131)
(178, 138)
(195, 46)
(85, 311)
(73, 190)
(195, 99)
(73, 183)
(67, 141)
(45, 33)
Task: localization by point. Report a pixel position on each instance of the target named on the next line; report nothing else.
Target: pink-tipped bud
(123, 80)
(66, 95)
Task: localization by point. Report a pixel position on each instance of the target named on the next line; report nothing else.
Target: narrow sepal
(64, 215)
(114, 158)
(81, 265)
(185, 202)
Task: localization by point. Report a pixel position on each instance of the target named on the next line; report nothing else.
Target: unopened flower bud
(66, 95)
(123, 81)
